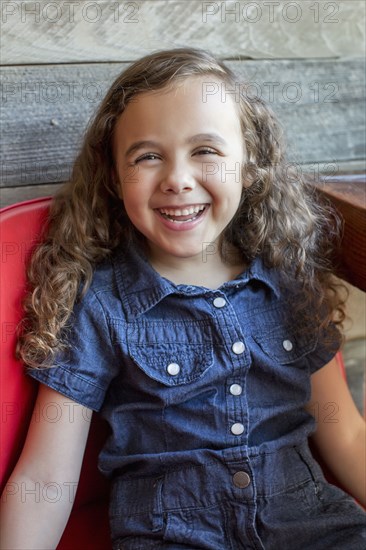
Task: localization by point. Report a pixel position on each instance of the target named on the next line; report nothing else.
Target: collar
(141, 287)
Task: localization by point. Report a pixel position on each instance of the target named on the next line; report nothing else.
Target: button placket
(238, 347)
(241, 479)
(236, 389)
(219, 302)
(237, 428)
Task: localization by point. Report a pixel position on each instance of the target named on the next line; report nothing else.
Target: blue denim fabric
(286, 505)
(204, 392)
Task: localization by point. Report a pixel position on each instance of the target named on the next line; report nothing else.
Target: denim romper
(204, 392)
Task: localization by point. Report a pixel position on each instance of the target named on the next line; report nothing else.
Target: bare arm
(341, 431)
(38, 498)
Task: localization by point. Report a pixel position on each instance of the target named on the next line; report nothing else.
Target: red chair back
(21, 228)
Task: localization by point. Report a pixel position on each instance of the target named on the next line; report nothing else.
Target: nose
(177, 178)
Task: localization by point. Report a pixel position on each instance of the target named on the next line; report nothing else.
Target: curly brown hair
(278, 217)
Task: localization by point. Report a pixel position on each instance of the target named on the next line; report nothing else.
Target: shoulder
(102, 288)
(122, 263)
(103, 277)
(113, 280)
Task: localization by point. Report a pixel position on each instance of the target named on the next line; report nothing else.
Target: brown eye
(147, 156)
(205, 151)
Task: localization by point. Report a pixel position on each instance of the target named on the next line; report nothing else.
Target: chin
(190, 253)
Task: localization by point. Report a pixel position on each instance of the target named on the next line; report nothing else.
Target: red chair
(21, 226)
(88, 528)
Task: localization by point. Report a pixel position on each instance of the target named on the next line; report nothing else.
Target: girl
(184, 290)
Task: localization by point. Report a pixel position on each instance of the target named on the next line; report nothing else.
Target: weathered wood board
(45, 110)
(348, 195)
(15, 194)
(83, 31)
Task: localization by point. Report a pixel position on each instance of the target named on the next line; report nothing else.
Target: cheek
(133, 214)
(129, 200)
(128, 187)
(127, 177)
(136, 203)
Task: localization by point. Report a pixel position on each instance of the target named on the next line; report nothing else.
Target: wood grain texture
(45, 110)
(13, 195)
(348, 195)
(82, 31)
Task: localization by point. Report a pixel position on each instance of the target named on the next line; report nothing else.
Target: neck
(208, 270)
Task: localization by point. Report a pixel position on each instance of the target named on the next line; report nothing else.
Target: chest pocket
(283, 343)
(173, 353)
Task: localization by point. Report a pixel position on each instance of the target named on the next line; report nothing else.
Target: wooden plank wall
(306, 58)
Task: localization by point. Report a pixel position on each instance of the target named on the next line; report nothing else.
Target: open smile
(184, 217)
(182, 214)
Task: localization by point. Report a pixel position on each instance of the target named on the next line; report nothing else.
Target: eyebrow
(207, 137)
(139, 145)
(211, 137)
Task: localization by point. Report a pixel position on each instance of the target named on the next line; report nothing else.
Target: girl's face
(179, 153)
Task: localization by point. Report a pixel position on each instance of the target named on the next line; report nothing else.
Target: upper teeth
(183, 211)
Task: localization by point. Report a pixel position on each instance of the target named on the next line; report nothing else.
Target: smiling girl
(184, 290)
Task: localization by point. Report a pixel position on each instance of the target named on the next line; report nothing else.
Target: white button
(173, 369)
(287, 344)
(235, 389)
(219, 302)
(237, 429)
(238, 348)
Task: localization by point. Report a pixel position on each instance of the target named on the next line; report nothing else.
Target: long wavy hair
(278, 218)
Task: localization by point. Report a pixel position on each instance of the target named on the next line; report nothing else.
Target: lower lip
(182, 226)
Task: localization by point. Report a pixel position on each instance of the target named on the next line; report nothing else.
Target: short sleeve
(83, 371)
(312, 319)
(328, 344)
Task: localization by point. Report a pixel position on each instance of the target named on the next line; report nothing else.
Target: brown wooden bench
(348, 194)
